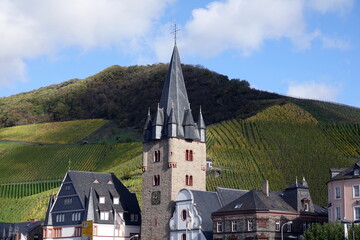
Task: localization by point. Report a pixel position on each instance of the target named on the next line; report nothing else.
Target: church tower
(174, 154)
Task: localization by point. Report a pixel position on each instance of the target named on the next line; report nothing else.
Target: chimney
(265, 188)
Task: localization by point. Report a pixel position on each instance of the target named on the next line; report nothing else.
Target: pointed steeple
(173, 118)
(174, 93)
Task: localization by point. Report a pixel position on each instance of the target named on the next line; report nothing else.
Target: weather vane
(175, 31)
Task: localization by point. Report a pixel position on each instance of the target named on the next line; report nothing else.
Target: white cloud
(334, 43)
(29, 29)
(313, 90)
(244, 26)
(337, 6)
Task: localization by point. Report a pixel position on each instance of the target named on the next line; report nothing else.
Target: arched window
(157, 156)
(156, 180)
(189, 180)
(183, 236)
(183, 215)
(188, 155)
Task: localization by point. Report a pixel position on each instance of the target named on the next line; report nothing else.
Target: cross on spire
(175, 31)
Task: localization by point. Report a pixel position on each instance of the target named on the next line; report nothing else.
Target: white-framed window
(116, 200)
(76, 216)
(67, 187)
(356, 213)
(102, 199)
(233, 226)
(250, 226)
(329, 213)
(68, 201)
(338, 213)
(219, 227)
(306, 207)
(104, 215)
(77, 232)
(356, 171)
(60, 217)
(288, 227)
(337, 193)
(356, 191)
(134, 217)
(277, 226)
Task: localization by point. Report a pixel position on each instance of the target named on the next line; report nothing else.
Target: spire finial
(175, 31)
(148, 111)
(296, 181)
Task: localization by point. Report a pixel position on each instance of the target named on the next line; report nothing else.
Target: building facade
(94, 206)
(261, 214)
(21, 231)
(192, 216)
(344, 193)
(174, 154)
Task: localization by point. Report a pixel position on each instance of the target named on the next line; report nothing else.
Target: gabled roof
(85, 190)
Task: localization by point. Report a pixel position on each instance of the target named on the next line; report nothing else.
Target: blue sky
(301, 48)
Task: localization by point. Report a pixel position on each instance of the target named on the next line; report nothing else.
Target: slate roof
(345, 173)
(10, 229)
(256, 200)
(84, 189)
(174, 93)
(208, 202)
(174, 108)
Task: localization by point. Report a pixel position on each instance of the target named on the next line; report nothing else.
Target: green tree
(327, 231)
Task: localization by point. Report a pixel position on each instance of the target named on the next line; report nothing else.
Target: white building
(192, 216)
(93, 206)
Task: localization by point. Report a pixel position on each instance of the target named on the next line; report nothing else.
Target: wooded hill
(254, 135)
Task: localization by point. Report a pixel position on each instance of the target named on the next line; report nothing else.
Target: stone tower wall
(172, 169)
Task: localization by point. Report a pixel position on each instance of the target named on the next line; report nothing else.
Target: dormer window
(102, 199)
(96, 181)
(104, 215)
(238, 205)
(116, 200)
(306, 207)
(110, 182)
(356, 172)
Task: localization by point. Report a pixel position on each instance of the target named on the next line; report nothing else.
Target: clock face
(155, 198)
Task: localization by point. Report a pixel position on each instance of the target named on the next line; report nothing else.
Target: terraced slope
(268, 146)
(277, 144)
(58, 132)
